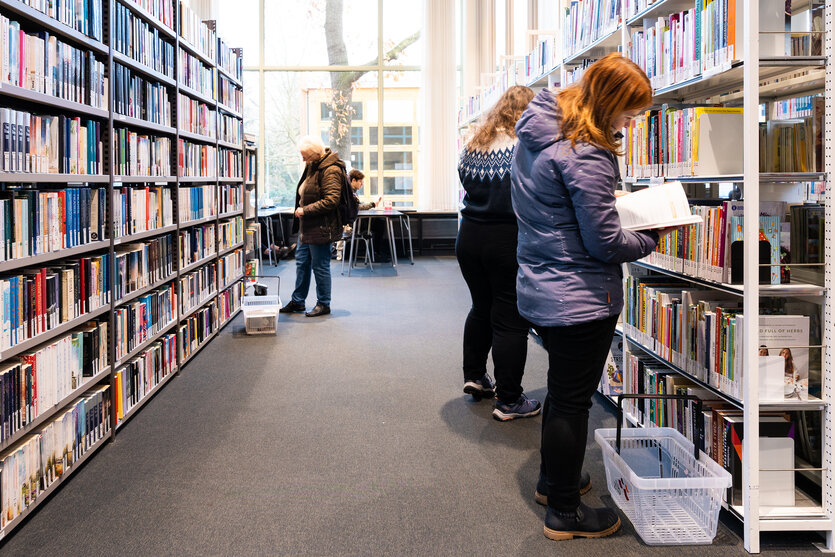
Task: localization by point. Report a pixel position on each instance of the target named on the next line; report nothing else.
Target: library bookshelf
(776, 61)
(154, 112)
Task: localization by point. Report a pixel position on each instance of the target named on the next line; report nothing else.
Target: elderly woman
(317, 221)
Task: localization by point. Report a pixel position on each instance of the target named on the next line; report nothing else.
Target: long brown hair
(502, 117)
(611, 86)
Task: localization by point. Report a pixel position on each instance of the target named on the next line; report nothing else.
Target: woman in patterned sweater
(486, 252)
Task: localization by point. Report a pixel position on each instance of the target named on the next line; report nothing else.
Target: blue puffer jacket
(571, 244)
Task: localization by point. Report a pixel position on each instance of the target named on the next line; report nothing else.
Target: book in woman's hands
(661, 206)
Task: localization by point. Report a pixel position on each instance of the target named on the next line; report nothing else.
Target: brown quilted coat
(320, 223)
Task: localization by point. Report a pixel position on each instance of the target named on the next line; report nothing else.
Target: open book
(658, 206)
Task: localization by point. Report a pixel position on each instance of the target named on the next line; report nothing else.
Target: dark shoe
(480, 388)
(524, 407)
(585, 522)
(318, 309)
(292, 307)
(287, 252)
(541, 493)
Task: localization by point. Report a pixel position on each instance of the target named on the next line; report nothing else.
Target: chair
(367, 239)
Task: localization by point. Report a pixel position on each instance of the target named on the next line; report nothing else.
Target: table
(267, 213)
(389, 216)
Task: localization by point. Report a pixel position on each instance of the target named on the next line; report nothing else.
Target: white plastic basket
(670, 497)
(261, 313)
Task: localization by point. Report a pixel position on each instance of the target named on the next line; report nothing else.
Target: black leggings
(576, 356)
(487, 256)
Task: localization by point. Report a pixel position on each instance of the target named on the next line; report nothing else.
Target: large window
(343, 70)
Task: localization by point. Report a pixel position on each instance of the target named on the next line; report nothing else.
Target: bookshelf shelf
(35, 341)
(230, 111)
(200, 346)
(192, 266)
(198, 179)
(43, 99)
(189, 223)
(197, 95)
(541, 80)
(250, 183)
(44, 495)
(660, 8)
(191, 49)
(139, 123)
(191, 311)
(227, 145)
(142, 235)
(20, 9)
(50, 412)
(230, 249)
(766, 290)
(197, 137)
(136, 407)
(130, 296)
(39, 259)
(228, 320)
(150, 19)
(158, 180)
(764, 178)
(139, 67)
(230, 284)
(229, 214)
(27, 177)
(601, 47)
(229, 179)
(156, 336)
(229, 76)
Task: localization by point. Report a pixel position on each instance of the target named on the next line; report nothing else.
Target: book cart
(114, 270)
(776, 62)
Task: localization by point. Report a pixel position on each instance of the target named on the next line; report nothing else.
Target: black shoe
(584, 522)
(292, 307)
(318, 309)
(541, 493)
(480, 388)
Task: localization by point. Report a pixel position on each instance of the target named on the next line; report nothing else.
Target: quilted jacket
(323, 181)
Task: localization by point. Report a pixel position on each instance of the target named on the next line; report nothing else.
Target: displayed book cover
(788, 336)
(612, 381)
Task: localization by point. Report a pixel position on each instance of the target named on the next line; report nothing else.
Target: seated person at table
(378, 229)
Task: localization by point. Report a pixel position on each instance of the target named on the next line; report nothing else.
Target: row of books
(141, 42)
(229, 163)
(794, 145)
(543, 58)
(799, 107)
(50, 144)
(472, 106)
(229, 301)
(142, 373)
(140, 209)
(33, 222)
(586, 21)
(195, 330)
(196, 243)
(35, 301)
(195, 117)
(43, 63)
(85, 16)
(196, 32)
(229, 267)
(144, 317)
(143, 264)
(252, 238)
(572, 74)
(684, 45)
(229, 198)
(250, 166)
(196, 159)
(230, 129)
(35, 382)
(197, 286)
(163, 10)
(229, 94)
(196, 202)
(230, 60)
(722, 431)
(700, 331)
(136, 154)
(230, 233)
(31, 466)
(194, 74)
(137, 97)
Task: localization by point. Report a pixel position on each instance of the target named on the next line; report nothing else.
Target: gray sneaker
(480, 388)
(524, 407)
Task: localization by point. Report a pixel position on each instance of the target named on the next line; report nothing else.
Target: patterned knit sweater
(485, 175)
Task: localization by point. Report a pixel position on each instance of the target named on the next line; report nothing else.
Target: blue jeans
(318, 258)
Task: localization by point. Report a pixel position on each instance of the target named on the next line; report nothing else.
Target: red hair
(609, 87)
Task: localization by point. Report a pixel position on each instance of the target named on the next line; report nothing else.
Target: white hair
(311, 143)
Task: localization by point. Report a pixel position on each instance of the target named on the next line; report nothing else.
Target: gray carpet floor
(342, 435)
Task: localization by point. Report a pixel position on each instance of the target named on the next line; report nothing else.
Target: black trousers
(487, 256)
(576, 356)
